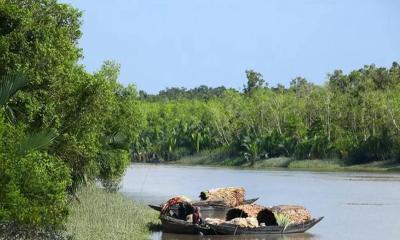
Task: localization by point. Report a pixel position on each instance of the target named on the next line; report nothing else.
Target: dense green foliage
(33, 189)
(353, 117)
(60, 126)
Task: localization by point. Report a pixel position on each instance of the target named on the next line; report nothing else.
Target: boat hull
(173, 225)
(231, 229)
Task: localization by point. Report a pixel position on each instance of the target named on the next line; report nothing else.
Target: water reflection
(169, 236)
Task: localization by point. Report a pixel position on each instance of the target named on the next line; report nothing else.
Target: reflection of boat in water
(295, 236)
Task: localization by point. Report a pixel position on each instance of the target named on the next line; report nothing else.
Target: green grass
(318, 164)
(279, 162)
(221, 158)
(102, 215)
(217, 157)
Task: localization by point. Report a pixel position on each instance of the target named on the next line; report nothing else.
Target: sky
(173, 43)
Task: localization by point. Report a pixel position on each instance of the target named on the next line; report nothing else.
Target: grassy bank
(101, 215)
(98, 215)
(217, 158)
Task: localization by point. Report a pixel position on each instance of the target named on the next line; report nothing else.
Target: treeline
(353, 117)
(60, 126)
(201, 93)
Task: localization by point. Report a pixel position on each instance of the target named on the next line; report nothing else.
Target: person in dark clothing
(184, 209)
(181, 212)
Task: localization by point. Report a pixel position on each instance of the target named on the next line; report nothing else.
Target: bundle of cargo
(244, 211)
(231, 196)
(249, 222)
(218, 198)
(295, 214)
(244, 215)
(256, 219)
(268, 216)
(262, 214)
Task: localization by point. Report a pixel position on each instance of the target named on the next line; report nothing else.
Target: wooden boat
(207, 205)
(231, 229)
(174, 225)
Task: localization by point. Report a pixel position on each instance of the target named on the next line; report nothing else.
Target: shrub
(33, 189)
(112, 164)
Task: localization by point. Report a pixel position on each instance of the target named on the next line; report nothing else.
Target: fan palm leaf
(38, 140)
(9, 85)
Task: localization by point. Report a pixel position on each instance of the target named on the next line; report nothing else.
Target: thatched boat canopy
(296, 214)
(244, 211)
(231, 196)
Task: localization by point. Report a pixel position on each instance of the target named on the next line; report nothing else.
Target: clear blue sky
(163, 43)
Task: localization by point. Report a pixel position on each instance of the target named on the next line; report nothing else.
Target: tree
(254, 81)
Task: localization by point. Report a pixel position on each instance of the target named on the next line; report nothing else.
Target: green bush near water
(112, 167)
(33, 190)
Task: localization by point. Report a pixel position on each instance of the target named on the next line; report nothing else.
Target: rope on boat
(234, 234)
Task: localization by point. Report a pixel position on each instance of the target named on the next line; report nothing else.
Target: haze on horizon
(204, 42)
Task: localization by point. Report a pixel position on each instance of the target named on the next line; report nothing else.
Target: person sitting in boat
(197, 216)
(181, 212)
(184, 209)
(204, 195)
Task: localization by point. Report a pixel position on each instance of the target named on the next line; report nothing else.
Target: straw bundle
(249, 222)
(232, 196)
(244, 211)
(215, 221)
(296, 214)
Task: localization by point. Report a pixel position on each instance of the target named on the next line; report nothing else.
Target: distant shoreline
(284, 163)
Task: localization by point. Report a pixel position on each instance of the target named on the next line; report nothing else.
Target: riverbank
(97, 215)
(217, 160)
(102, 215)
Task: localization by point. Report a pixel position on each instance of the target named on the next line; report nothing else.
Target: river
(355, 205)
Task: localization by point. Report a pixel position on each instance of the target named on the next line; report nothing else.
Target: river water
(355, 205)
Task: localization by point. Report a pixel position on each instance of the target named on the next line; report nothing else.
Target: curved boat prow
(155, 207)
(250, 201)
(313, 223)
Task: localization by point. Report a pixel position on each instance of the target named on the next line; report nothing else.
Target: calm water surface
(355, 205)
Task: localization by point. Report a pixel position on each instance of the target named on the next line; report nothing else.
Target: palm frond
(9, 85)
(38, 140)
(282, 220)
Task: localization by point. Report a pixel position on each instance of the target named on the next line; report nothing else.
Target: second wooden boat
(231, 229)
